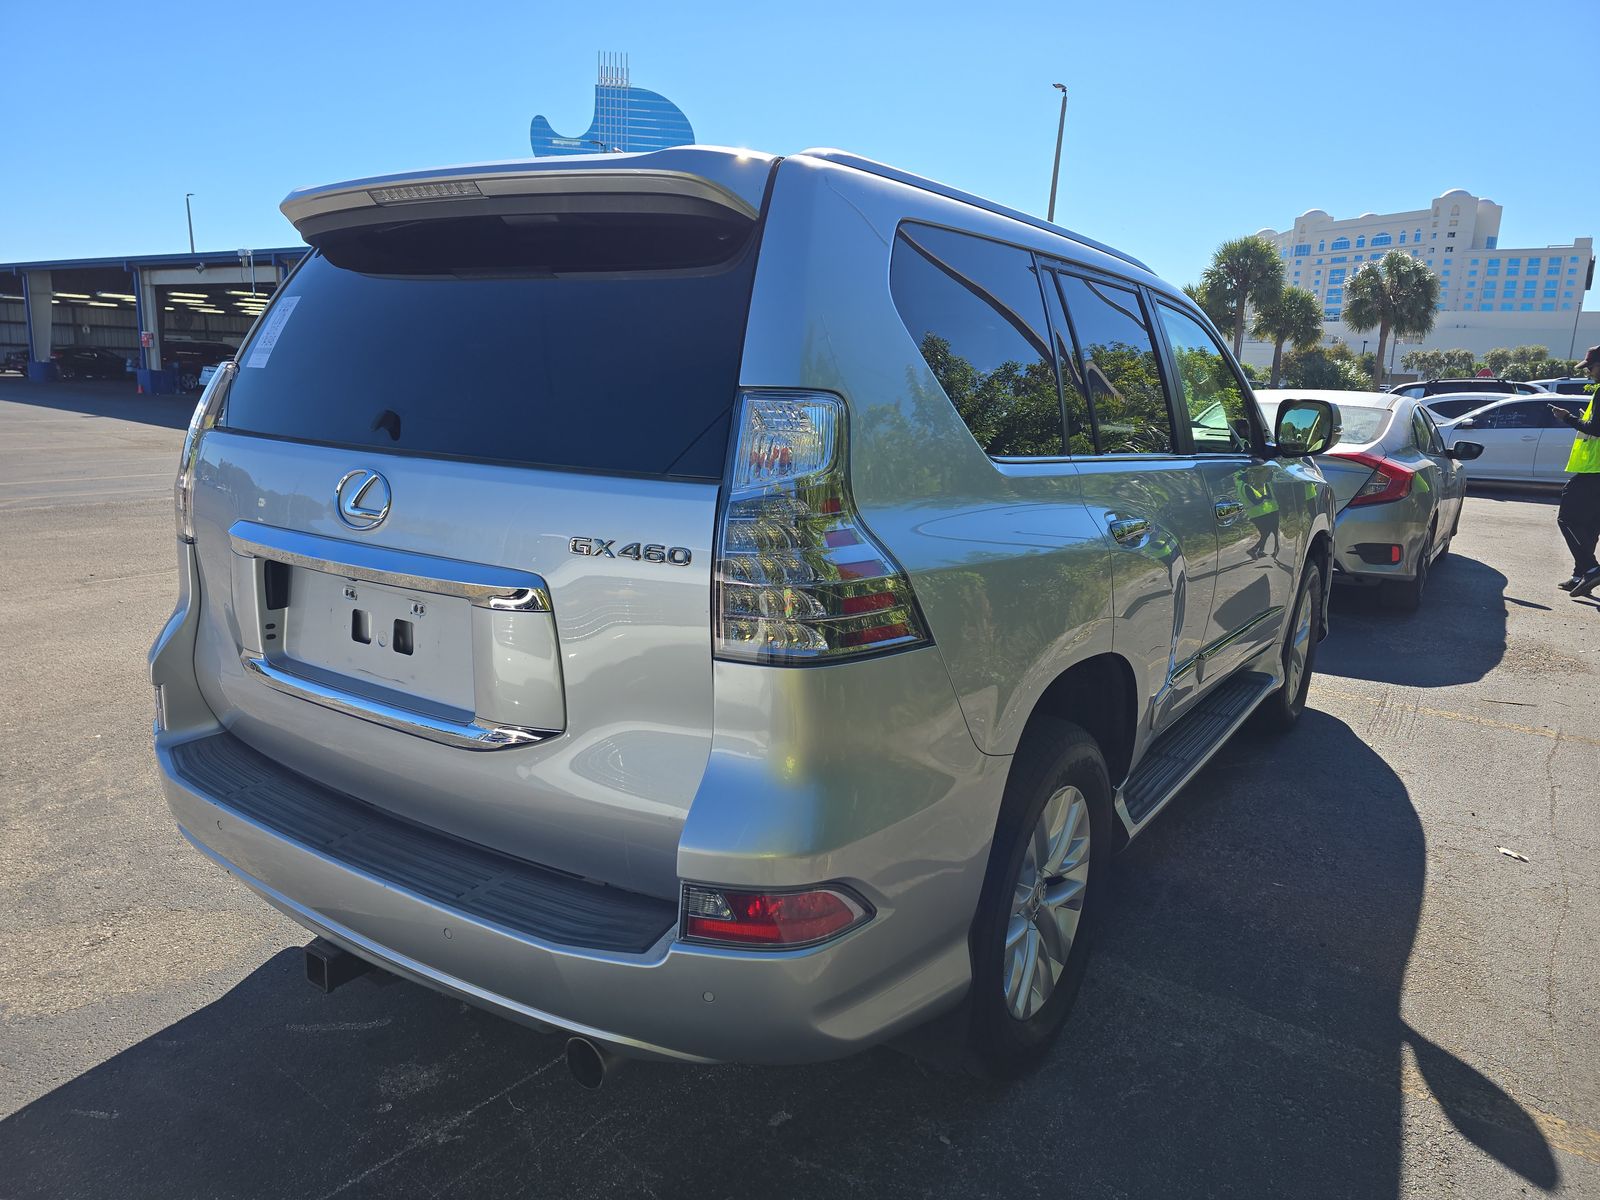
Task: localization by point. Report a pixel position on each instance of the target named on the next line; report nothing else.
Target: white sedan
(1522, 440)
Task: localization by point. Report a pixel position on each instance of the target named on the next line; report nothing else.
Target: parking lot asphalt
(1321, 977)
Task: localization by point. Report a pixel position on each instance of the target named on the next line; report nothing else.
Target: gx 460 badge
(677, 556)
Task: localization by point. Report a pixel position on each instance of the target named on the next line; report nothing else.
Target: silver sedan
(1397, 488)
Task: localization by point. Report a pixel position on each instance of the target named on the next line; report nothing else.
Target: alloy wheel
(1047, 903)
(1300, 647)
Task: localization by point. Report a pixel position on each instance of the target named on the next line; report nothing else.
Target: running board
(1179, 753)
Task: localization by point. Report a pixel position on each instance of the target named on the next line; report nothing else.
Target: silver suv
(719, 606)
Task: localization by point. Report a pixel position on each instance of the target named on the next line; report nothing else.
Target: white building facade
(1490, 295)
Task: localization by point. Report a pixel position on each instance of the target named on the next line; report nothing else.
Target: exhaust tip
(587, 1062)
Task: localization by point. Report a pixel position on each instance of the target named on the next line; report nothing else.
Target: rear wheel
(1032, 931)
(1280, 711)
(1405, 595)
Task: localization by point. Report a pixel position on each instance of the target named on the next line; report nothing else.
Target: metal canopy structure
(112, 303)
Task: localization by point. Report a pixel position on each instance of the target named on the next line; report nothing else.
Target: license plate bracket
(412, 642)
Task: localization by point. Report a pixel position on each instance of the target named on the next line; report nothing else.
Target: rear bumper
(1379, 524)
(674, 1001)
(807, 784)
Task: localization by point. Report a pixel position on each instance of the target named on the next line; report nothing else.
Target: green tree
(1293, 318)
(1440, 364)
(1337, 368)
(1245, 272)
(1209, 304)
(1394, 296)
(1528, 362)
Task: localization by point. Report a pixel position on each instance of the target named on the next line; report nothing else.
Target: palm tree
(1243, 273)
(1294, 318)
(1208, 304)
(1395, 296)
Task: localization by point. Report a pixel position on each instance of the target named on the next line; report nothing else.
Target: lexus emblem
(363, 498)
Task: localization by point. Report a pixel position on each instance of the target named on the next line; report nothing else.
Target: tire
(1280, 712)
(1405, 595)
(1057, 780)
(188, 381)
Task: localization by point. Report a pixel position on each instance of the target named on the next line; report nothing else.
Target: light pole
(1055, 171)
(189, 213)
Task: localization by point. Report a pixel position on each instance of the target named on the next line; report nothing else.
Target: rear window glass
(592, 341)
(1359, 424)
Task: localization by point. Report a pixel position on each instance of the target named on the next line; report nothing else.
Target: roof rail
(845, 159)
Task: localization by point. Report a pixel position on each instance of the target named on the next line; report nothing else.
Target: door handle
(1530, 437)
(1228, 511)
(1129, 530)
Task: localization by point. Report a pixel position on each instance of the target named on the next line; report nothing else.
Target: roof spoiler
(730, 179)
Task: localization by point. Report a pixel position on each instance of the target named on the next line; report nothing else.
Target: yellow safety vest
(1585, 459)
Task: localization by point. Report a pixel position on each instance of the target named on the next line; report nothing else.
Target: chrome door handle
(1530, 437)
(1228, 511)
(1129, 530)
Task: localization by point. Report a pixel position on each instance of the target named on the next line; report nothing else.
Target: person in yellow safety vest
(1579, 514)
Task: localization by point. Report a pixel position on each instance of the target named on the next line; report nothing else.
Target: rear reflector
(1390, 480)
(1377, 552)
(772, 919)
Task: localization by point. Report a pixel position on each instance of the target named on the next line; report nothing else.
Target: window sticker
(262, 350)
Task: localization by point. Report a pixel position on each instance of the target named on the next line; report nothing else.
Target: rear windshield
(592, 341)
(1359, 424)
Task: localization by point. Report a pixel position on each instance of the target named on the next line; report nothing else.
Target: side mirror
(1306, 427)
(1465, 451)
(1469, 423)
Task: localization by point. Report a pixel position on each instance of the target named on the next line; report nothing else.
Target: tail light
(1390, 480)
(775, 919)
(799, 578)
(205, 416)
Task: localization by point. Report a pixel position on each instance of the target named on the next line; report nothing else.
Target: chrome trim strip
(1227, 639)
(483, 586)
(473, 735)
(1216, 647)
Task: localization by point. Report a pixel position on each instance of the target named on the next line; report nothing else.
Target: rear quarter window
(976, 312)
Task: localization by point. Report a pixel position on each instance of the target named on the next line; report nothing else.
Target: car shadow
(1458, 636)
(101, 398)
(1520, 492)
(1239, 1033)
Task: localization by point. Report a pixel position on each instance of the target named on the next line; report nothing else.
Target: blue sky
(1188, 123)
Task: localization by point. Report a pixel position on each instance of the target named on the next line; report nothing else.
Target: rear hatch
(454, 523)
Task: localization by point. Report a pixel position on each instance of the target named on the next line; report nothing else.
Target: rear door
(1148, 496)
(1555, 440)
(1452, 476)
(1509, 434)
(454, 525)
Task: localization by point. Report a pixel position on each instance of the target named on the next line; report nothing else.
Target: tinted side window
(1074, 387)
(1119, 367)
(1421, 431)
(1512, 416)
(976, 312)
(1548, 420)
(1449, 409)
(1219, 419)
